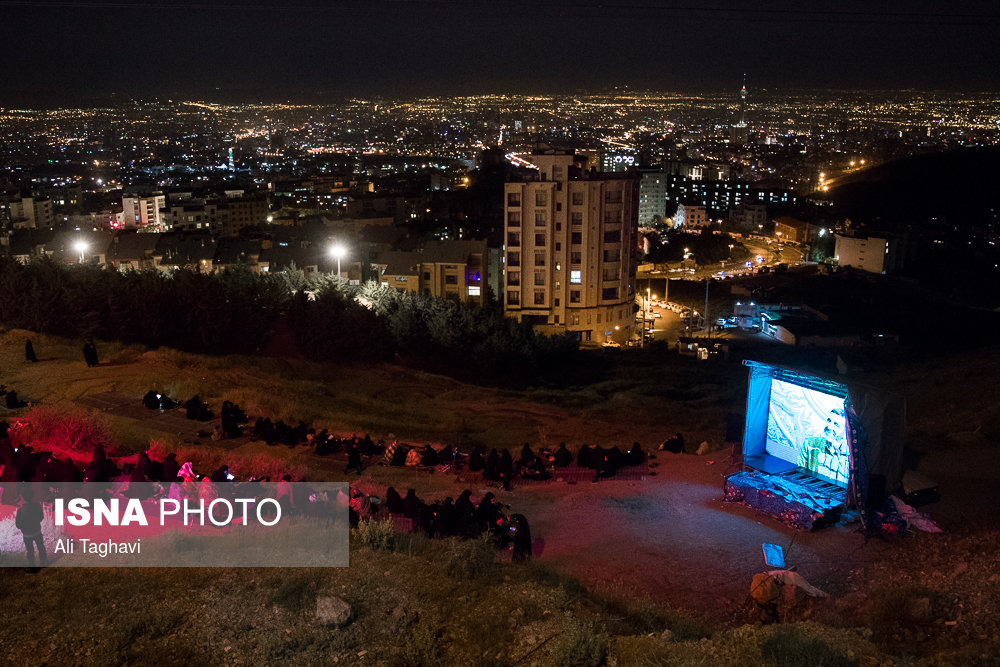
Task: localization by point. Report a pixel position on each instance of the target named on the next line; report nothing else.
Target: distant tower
(739, 134)
(232, 162)
(743, 102)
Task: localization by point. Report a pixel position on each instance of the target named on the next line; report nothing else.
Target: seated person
(429, 457)
(13, 402)
(563, 456)
(151, 400)
(635, 456)
(476, 461)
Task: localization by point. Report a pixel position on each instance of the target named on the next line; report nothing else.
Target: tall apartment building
(875, 254)
(571, 252)
(652, 196)
(142, 212)
(28, 212)
(749, 217)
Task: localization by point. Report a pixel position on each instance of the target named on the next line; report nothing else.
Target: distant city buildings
(224, 216)
(690, 216)
(143, 212)
(793, 230)
(571, 248)
(720, 196)
(614, 161)
(458, 270)
(27, 212)
(391, 176)
(749, 217)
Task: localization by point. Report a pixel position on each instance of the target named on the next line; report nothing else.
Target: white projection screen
(808, 428)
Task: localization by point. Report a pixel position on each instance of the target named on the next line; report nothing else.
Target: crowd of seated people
(501, 467)
(194, 408)
(168, 477)
(27, 464)
(325, 443)
(448, 518)
(233, 420)
(197, 409)
(607, 462)
(401, 454)
(154, 400)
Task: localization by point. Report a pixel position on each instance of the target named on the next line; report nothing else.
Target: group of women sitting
(459, 518)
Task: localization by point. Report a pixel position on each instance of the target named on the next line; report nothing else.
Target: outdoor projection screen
(808, 428)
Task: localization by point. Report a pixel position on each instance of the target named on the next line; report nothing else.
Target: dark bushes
(234, 311)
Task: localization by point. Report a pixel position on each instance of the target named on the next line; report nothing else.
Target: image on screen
(808, 428)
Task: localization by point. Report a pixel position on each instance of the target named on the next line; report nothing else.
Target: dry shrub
(473, 558)
(375, 535)
(581, 644)
(48, 427)
(789, 647)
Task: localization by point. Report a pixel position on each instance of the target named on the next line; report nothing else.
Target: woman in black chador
(476, 462)
(522, 538)
(563, 456)
(411, 505)
(90, 353)
(393, 501)
(29, 351)
(430, 457)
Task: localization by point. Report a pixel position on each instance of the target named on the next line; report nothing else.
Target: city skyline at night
(67, 52)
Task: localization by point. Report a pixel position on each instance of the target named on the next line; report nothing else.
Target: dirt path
(671, 538)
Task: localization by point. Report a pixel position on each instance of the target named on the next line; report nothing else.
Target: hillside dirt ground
(667, 540)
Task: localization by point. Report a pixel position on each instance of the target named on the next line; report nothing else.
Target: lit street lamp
(338, 251)
(81, 246)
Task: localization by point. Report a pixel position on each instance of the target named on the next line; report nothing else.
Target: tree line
(236, 311)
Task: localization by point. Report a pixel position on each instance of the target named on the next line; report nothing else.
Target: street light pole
(708, 325)
(338, 252)
(81, 247)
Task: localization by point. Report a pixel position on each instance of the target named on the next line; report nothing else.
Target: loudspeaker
(734, 427)
(875, 491)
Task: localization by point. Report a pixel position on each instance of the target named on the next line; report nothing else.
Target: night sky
(68, 51)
